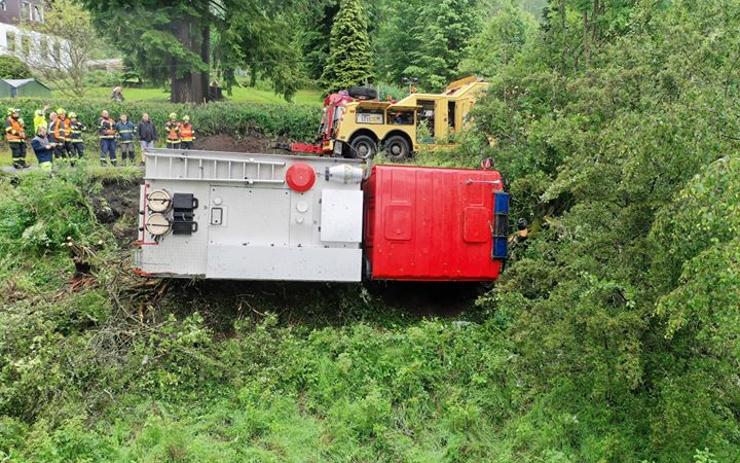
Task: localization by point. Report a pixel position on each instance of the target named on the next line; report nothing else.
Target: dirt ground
(118, 206)
(254, 143)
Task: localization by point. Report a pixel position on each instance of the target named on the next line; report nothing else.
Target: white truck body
(245, 221)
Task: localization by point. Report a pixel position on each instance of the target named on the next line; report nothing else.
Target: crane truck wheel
(363, 147)
(363, 93)
(397, 148)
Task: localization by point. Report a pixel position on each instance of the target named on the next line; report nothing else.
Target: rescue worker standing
(39, 119)
(43, 148)
(77, 146)
(187, 134)
(62, 131)
(15, 135)
(107, 135)
(125, 130)
(172, 127)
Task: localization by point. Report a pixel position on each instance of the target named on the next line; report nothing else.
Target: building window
(10, 40)
(44, 50)
(38, 14)
(3, 5)
(26, 45)
(26, 11)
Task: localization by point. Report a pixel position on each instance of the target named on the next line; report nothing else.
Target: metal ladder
(204, 168)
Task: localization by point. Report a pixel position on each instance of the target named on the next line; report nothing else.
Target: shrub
(297, 122)
(101, 78)
(12, 67)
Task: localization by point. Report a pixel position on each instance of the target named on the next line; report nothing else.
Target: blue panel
(501, 202)
(500, 250)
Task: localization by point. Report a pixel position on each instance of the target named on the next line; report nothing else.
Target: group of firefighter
(60, 138)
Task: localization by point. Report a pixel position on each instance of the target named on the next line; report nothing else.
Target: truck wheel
(363, 93)
(397, 148)
(363, 147)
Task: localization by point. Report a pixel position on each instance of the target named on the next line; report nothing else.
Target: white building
(32, 47)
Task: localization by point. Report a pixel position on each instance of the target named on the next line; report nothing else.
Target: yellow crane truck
(355, 124)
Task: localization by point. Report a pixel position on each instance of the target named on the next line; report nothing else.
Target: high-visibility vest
(62, 129)
(106, 128)
(173, 131)
(14, 130)
(186, 132)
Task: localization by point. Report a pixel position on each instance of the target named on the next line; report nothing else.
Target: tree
(350, 58)
(175, 41)
(503, 37)
(427, 40)
(70, 41)
(316, 31)
(12, 67)
(617, 131)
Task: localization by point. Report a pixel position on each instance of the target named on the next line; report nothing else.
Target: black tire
(363, 147)
(363, 93)
(397, 148)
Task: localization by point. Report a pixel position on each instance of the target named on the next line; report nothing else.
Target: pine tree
(350, 58)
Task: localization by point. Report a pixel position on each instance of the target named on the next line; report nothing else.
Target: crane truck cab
(356, 128)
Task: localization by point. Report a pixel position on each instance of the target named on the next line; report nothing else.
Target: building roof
(21, 82)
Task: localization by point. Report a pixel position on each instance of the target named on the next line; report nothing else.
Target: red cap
(300, 177)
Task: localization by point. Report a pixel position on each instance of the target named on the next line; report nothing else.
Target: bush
(297, 122)
(101, 78)
(13, 68)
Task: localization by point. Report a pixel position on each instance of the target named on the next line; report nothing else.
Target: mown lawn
(239, 95)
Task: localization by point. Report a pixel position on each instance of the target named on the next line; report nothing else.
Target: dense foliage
(612, 336)
(349, 62)
(297, 122)
(616, 127)
(12, 67)
(178, 42)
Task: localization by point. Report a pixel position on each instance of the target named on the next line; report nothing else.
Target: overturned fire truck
(237, 216)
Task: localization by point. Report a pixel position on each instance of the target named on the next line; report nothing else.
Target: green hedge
(296, 122)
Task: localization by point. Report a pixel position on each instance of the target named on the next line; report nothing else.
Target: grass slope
(239, 95)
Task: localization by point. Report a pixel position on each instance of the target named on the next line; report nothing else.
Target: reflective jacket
(38, 121)
(125, 131)
(173, 131)
(106, 128)
(15, 130)
(186, 131)
(61, 129)
(76, 127)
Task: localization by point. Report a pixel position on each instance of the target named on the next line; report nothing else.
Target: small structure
(12, 88)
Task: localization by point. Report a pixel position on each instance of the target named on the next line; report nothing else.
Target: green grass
(239, 95)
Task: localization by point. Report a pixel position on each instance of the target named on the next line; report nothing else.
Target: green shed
(11, 88)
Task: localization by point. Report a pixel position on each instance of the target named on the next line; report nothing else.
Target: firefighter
(43, 148)
(187, 134)
(172, 127)
(39, 119)
(125, 130)
(107, 135)
(60, 128)
(15, 135)
(77, 146)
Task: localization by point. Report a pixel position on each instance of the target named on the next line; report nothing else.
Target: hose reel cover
(158, 224)
(159, 201)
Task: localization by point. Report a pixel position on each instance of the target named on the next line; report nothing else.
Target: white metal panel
(304, 219)
(272, 263)
(341, 216)
(252, 217)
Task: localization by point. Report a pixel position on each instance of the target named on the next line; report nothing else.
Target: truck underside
(247, 216)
